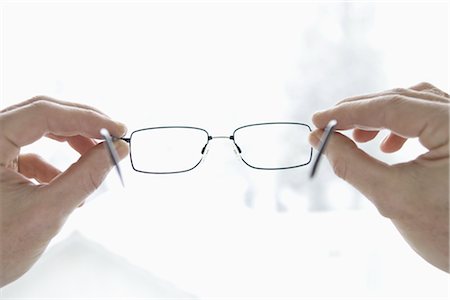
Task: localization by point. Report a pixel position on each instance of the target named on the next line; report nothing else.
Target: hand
(414, 195)
(32, 214)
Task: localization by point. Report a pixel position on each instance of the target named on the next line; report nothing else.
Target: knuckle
(38, 98)
(390, 107)
(41, 105)
(396, 99)
(390, 104)
(401, 91)
(437, 92)
(426, 85)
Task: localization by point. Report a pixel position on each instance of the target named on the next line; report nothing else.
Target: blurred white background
(223, 230)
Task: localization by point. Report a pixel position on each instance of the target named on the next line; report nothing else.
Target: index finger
(407, 117)
(419, 91)
(49, 99)
(26, 124)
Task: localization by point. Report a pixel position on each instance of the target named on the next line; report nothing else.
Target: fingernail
(316, 116)
(314, 139)
(123, 128)
(121, 148)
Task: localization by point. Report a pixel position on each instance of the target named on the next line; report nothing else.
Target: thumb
(367, 174)
(72, 187)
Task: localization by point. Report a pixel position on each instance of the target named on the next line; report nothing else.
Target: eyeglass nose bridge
(229, 137)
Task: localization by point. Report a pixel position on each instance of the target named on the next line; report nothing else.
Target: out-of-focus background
(223, 230)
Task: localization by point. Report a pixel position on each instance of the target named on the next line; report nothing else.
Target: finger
(56, 137)
(71, 188)
(370, 176)
(431, 89)
(27, 124)
(413, 92)
(49, 99)
(81, 144)
(35, 167)
(422, 86)
(392, 143)
(363, 136)
(404, 116)
(443, 96)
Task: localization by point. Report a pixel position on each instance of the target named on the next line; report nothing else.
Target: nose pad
(205, 152)
(237, 151)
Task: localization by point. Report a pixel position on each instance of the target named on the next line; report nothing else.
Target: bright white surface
(94, 273)
(219, 231)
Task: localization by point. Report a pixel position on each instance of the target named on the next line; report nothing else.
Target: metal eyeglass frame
(209, 138)
(324, 140)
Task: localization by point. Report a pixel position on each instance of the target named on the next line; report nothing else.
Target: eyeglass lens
(274, 146)
(167, 149)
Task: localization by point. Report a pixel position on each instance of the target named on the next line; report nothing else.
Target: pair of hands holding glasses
(414, 195)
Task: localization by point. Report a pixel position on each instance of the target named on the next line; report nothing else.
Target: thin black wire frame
(209, 138)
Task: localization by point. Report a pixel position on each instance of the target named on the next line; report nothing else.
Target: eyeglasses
(178, 149)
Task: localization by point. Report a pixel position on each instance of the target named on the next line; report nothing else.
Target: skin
(415, 194)
(32, 214)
